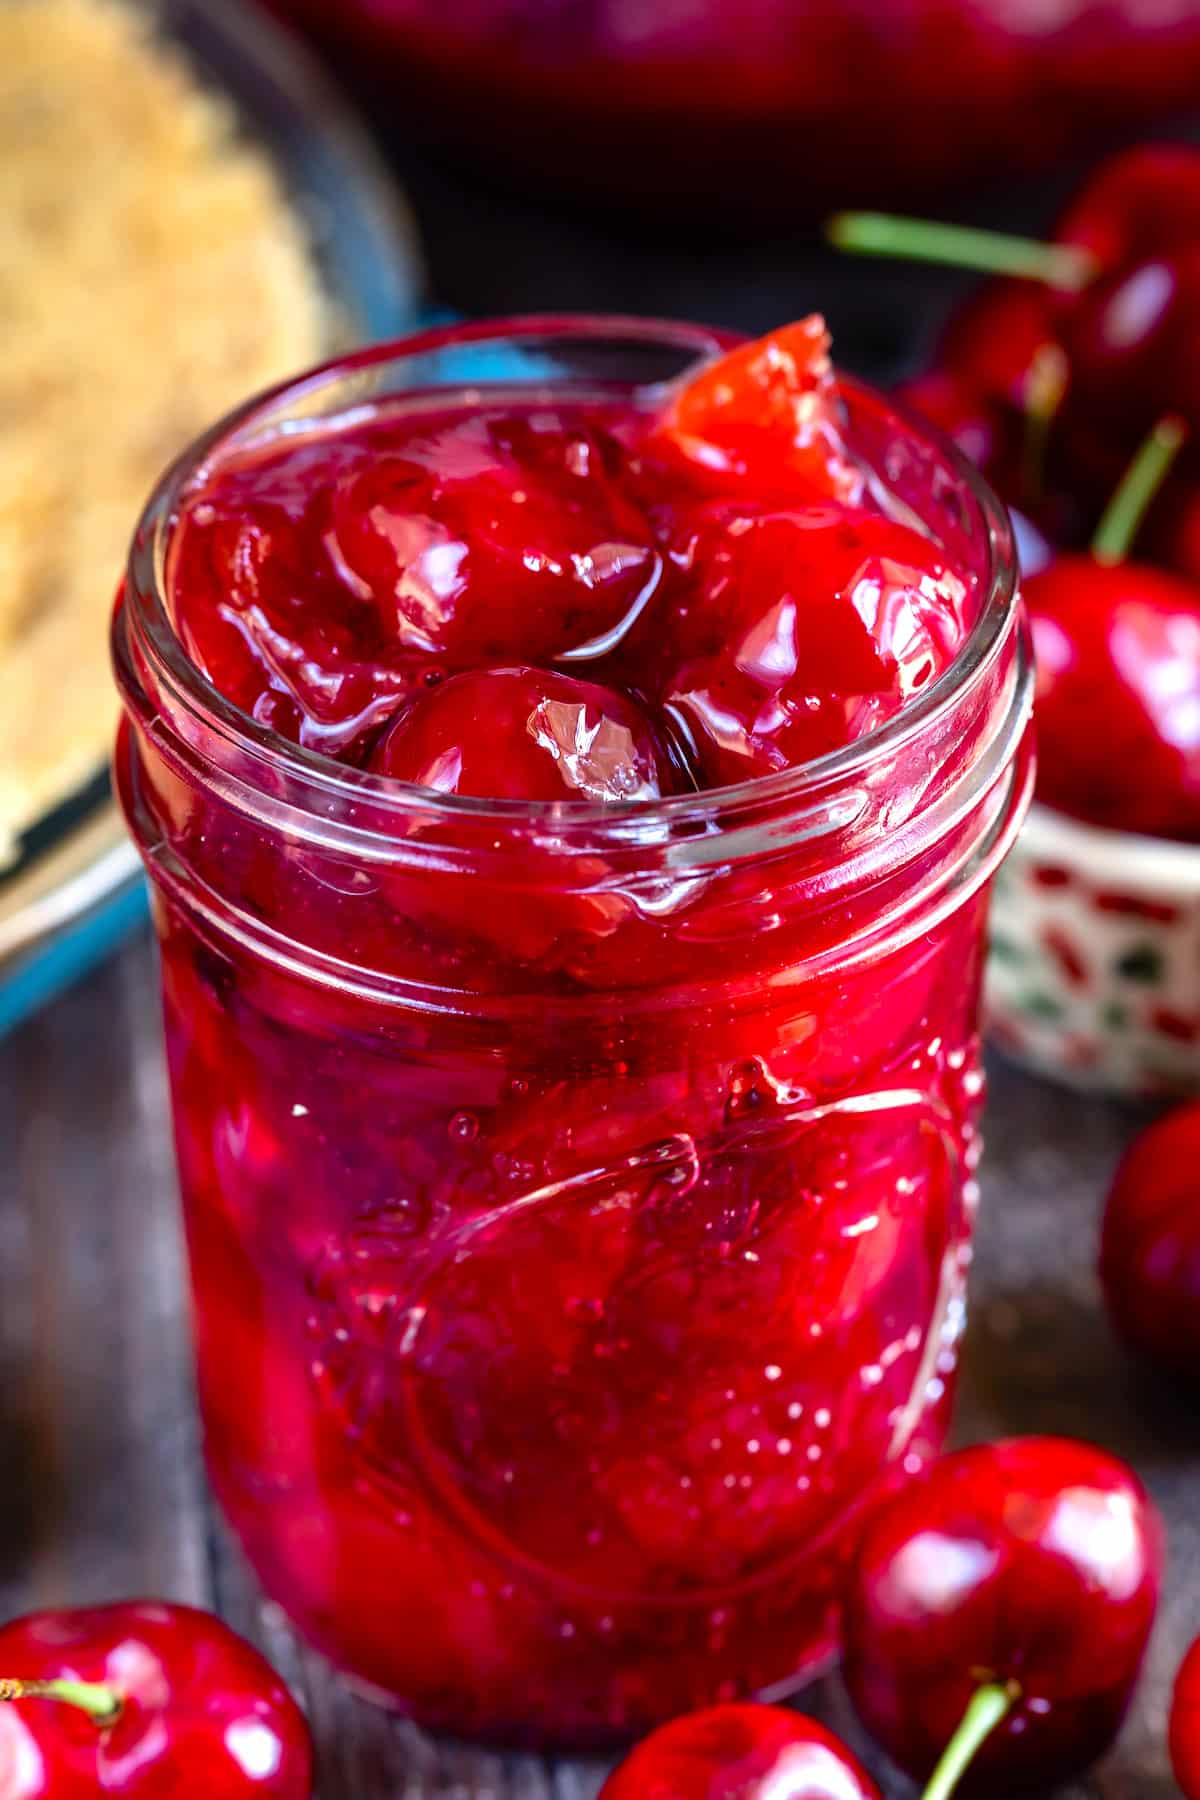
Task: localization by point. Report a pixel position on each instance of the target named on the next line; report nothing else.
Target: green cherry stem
(989, 1706)
(101, 1704)
(1066, 266)
(1124, 513)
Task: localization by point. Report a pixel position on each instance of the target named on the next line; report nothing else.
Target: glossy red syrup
(558, 1316)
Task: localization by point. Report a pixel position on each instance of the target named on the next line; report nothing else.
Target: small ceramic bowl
(1094, 975)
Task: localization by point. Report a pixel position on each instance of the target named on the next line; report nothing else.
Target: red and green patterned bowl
(1094, 976)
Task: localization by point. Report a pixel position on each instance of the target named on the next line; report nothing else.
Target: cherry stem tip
(989, 1706)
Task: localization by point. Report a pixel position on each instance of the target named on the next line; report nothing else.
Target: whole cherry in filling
(740, 1753)
(148, 1700)
(795, 632)
(1150, 1244)
(447, 595)
(330, 579)
(526, 734)
(998, 1612)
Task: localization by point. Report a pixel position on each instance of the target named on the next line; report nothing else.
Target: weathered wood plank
(100, 1446)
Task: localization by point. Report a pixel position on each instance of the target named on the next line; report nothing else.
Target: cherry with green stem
(1117, 648)
(1116, 290)
(997, 1613)
(145, 1699)
(740, 1752)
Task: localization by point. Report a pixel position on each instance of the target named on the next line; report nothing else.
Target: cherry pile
(1069, 377)
(571, 600)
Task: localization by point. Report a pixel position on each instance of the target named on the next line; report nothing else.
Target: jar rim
(331, 787)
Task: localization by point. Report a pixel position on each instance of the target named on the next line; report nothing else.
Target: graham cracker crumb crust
(152, 274)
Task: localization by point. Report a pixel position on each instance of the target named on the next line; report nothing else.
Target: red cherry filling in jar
(793, 633)
(576, 1149)
(1118, 658)
(326, 584)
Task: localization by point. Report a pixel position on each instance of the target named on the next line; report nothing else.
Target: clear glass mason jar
(578, 1201)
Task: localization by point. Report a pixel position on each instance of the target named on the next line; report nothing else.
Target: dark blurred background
(678, 156)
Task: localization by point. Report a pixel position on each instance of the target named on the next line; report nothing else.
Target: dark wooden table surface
(103, 1492)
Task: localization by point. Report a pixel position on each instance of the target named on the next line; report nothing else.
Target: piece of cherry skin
(997, 1614)
(327, 581)
(1183, 1731)
(766, 413)
(796, 632)
(1117, 650)
(1150, 1244)
(147, 1700)
(740, 1752)
(527, 734)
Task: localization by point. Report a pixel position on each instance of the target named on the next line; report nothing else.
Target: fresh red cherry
(1140, 203)
(1001, 346)
(1172, 533)
(1184, 1728)
(1007, 445)
(799, 632)
(985, 429)
(767, 413)
(1150, 1244)
(526, 734)
(148, 1700)
(997, 1615)
(994, 339)
(1130, 343)
(1117, 647)
(740, 1753)
(1118, 695)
